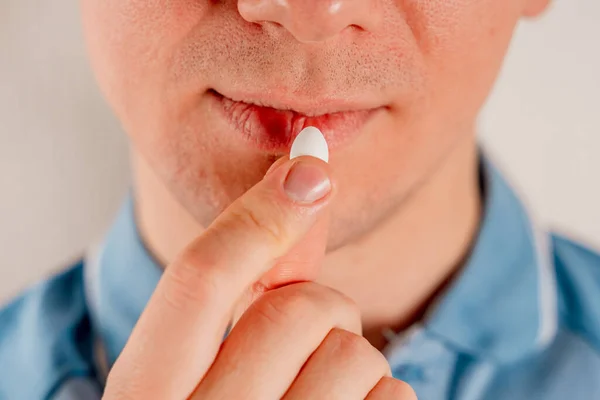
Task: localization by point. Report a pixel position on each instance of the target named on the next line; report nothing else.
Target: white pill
(310, 142)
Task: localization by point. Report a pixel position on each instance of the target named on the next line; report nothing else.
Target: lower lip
(275, 130)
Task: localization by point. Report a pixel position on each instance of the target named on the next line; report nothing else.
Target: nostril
(311, 20)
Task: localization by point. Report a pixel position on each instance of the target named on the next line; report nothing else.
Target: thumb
(300, 264)
(181, 329)
(303, 261)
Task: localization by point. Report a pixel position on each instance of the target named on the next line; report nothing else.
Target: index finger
(180, 331)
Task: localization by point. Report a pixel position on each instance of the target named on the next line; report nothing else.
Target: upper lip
(313, 107)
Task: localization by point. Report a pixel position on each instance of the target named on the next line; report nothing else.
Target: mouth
(273, 127)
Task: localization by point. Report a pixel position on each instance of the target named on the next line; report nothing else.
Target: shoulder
(569, 366)
(578, 284)
(45, 337)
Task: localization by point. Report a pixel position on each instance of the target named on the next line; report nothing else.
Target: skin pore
(407, 203)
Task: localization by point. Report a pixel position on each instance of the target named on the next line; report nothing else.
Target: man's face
(201, 87)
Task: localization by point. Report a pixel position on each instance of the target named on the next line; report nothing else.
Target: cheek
(463, 43)
(130, 43)
(442, 27)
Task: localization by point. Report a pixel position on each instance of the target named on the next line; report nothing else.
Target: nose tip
(312, 20)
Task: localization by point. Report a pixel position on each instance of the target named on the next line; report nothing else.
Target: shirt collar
(501, 306)
(121, 275)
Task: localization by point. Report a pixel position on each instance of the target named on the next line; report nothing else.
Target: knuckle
(190, 282)
(269, 225)
(338, 304)
(355, 347)
(390, 388)
(270, 309)
(305, 302)
(327, 299)
(327, 305)
(317, 300)
(348, 343)
(293, 301)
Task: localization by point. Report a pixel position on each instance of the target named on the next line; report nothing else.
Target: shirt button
(409, 373)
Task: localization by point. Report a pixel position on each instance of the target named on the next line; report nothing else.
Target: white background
(63, 166)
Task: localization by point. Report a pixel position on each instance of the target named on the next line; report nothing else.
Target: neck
(393, 273)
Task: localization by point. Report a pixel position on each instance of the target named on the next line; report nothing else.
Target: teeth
(310, 142)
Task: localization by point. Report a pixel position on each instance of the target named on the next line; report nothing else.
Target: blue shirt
(520, 321)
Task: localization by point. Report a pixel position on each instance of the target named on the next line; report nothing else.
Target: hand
(291, 340)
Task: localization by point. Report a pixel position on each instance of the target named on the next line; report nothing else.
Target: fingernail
(306, 183)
